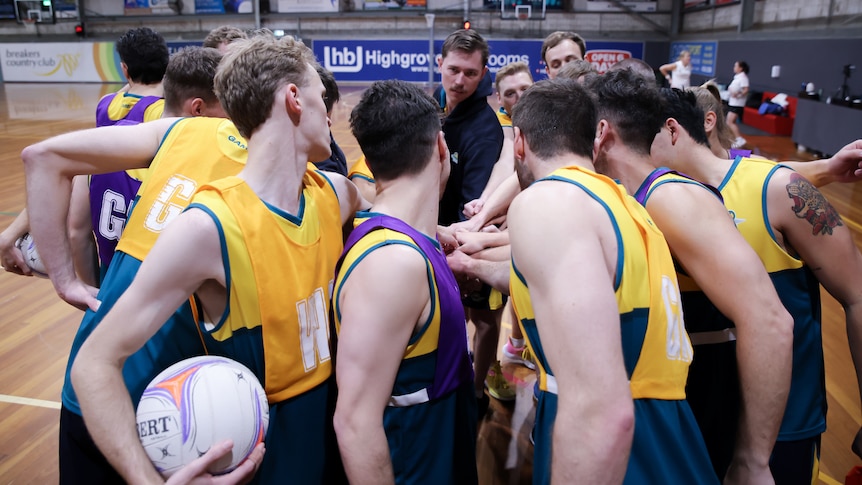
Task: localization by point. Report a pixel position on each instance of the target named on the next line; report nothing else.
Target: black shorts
(796, 462)
(736, 109)
(480, 299)
(713, 393)
(81, 462)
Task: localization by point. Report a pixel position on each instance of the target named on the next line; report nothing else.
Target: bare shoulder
(553, 215)
(194, 220)
(404, 257)
(682, 198)
(389, 271)
(551, 197)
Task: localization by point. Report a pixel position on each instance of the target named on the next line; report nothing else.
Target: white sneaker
(515, 355)
(740, 141)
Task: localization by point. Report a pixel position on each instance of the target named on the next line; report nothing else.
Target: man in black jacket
(475, 138)
(472, 131)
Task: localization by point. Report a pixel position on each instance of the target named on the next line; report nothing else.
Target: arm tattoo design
(809, 204)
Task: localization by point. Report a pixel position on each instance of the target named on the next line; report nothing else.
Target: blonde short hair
(510, 70)
(708, 99)
(253, 70)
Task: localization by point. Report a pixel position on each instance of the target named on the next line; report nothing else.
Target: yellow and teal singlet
(667, 446)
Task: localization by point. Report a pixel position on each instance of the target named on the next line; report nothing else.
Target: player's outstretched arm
(81, 232)
(473, 242)
(570, 277)
(703, 238)
(479, 157)
(50, 165)
(502, 170)
(814, 229)
(10, 257)
(186, 255)
(394, 277)
(845, 166)
(496, 203)
(472, 267)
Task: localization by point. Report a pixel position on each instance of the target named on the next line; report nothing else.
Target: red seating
(775, 124)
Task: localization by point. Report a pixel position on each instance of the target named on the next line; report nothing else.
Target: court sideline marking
(29, 401)
(56, 405)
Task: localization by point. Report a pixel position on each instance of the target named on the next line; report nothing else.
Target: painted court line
(29, 402)
(13, 214)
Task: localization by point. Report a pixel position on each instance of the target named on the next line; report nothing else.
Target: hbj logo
(343, 60)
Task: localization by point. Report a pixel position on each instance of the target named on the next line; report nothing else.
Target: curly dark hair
(145, 54)
(631, 104)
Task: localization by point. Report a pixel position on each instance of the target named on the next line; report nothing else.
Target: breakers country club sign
(409, 60)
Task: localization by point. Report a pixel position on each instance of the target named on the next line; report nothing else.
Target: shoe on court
(515, 355)
(739, 142)
(498, 387)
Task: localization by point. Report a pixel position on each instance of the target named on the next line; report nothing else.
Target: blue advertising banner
(408, 60)
(703, 56)
(209, 6)
(371, 60)
(176, 46)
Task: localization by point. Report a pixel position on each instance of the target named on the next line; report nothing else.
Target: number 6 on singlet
(678, 344)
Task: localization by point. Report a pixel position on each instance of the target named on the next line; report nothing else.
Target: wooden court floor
(36, 327)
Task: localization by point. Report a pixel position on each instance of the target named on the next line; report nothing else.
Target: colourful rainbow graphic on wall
(107, 62)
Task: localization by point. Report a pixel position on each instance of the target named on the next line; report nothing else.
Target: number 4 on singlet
(313, 329)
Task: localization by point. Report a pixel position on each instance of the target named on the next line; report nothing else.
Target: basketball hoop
(522, 15)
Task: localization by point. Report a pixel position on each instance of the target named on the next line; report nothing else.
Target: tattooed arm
(807, 223)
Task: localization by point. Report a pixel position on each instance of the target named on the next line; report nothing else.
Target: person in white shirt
(738, 93)
(679, 72)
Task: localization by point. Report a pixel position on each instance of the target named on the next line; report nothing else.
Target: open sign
(602, 60)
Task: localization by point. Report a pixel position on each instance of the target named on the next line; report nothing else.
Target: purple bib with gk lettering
(111, 194)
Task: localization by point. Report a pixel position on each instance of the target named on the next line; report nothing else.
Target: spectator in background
(738, 93)
(679, 72)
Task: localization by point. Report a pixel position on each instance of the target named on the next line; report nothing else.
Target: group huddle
(668, 292)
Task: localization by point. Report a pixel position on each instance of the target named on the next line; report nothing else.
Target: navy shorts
(81, 462)
(796, 462)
